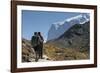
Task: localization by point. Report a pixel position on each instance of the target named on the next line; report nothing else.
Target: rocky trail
(45, 59)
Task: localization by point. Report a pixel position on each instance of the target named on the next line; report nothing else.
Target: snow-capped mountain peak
(58, 28)
(72, 18)
(82, 18)
(58, 24)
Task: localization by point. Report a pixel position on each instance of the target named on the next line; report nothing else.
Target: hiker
(40, 45)
(35, 45)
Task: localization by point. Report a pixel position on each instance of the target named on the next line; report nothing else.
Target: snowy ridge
(57, 29)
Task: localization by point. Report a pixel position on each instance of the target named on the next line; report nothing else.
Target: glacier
(58, 28)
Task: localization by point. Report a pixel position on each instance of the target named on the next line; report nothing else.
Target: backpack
(40, 39)
(34, 41)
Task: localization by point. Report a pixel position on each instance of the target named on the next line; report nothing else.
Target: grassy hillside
(52, 52)
(72, 45)
(58, 54)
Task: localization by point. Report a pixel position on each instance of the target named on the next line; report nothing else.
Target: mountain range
(57, 29)
(76, 37)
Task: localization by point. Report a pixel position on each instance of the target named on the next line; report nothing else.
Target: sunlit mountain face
(58, 28)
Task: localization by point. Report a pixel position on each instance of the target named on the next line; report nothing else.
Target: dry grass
(57, 54)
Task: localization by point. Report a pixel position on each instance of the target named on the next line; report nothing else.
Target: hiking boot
(36, 60)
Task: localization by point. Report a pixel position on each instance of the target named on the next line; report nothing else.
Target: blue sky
(40, 21)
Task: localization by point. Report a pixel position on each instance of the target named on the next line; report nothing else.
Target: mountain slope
(27, 52)
(56, 53)
(57, 29)
(76, 37)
